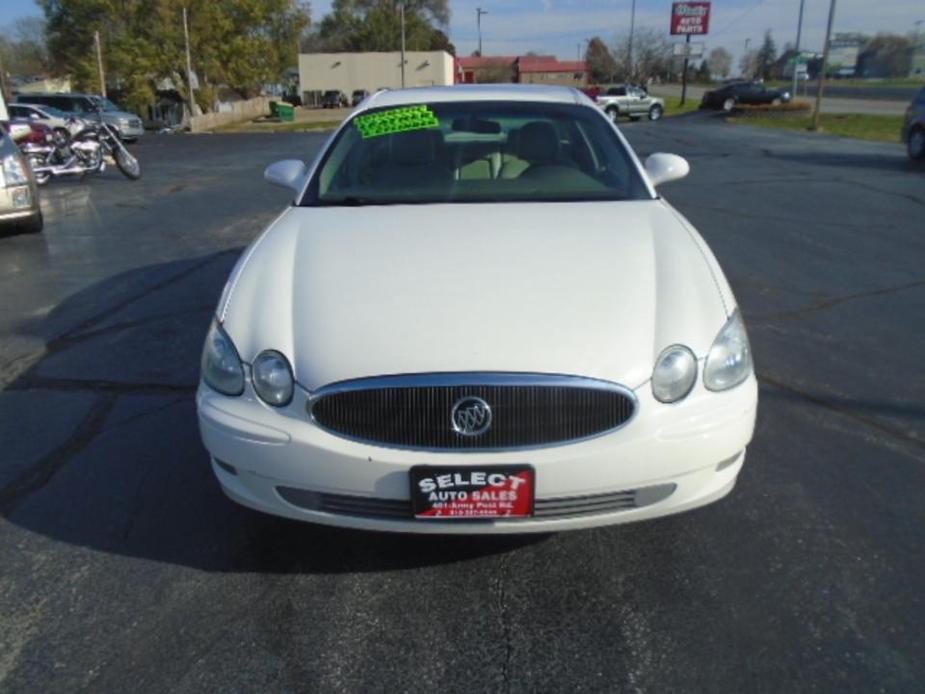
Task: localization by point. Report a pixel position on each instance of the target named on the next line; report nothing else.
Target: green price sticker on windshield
(396, 120)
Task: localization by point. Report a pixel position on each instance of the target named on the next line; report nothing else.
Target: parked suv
(128, 125)
(627, 100)
(913, 133)
(731, 95)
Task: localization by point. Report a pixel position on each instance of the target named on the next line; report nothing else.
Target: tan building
(321, 72)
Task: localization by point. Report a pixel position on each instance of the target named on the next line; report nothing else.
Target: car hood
(589, 289)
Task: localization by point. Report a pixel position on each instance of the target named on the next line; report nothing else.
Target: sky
(557, 27)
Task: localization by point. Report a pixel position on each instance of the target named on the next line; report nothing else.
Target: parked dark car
(358, 96)
(334, 98)
(731, 95)
(913, 133)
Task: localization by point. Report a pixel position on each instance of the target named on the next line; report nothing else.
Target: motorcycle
(84, 152)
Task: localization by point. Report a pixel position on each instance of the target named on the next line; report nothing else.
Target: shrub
(789, 109)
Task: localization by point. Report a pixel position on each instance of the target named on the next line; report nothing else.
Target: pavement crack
(93, 320)
(874, 189)
(72, 339)
(101, 386)
(829, 303)
(39, 475)
(501, 596)
(892, 432)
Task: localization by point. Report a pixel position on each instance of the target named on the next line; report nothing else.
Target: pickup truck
(629, 101)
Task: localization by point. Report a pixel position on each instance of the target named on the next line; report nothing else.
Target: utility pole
(189, 65)
(825, 63)
(3, 92)
(746, 61)
(478, 23)
(629, 55)
(402, 10)
(99, 63)
(687, 57)
(796, 57)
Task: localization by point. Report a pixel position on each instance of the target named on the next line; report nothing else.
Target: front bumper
(698, 446)
(18, 203)
(129, 132)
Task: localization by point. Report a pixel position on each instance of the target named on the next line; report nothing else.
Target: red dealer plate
(459, 493)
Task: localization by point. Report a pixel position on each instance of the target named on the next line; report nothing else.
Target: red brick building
(528, 69)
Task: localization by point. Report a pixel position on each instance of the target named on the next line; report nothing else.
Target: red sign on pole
(690, 18)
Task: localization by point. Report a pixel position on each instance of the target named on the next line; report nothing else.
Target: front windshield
(108, 105)
(476, 152)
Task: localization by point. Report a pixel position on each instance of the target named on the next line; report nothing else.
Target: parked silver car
(913, 133)
(54, 118)
(19, 199)
(128, 125)
(630, 101)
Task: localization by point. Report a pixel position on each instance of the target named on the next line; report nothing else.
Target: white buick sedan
(477, 316)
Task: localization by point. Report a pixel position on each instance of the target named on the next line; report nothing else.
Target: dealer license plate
(456, 492)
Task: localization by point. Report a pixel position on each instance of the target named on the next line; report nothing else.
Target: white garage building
(320, 72)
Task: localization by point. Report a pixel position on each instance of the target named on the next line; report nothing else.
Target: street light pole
(189, 65)
(99, 63)
(478, 23)
(796, 56)
(825, 62)
(402, 10)
(629, 56)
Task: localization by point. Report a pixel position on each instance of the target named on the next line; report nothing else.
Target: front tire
(613, 113)
(128, 164)
(34, 225)
(915, 147)
(729, 104)
(655, 113)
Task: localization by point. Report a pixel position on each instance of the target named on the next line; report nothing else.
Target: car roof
(475, 92)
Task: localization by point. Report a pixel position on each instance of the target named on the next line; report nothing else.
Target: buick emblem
(470, 416)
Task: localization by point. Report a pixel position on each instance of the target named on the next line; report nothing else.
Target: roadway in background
(124, 568)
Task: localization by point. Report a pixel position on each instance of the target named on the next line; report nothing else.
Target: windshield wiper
(353, 201)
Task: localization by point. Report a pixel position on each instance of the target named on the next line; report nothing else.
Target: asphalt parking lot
(122, 566)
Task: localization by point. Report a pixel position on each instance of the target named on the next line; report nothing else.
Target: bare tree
(651, 55)
(720, 62)
(24, 51)
(748, 65)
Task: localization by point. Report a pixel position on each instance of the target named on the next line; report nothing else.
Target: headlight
(272, 378)
(674, 374)
(13, 171)
(730, 359)
(221, 366)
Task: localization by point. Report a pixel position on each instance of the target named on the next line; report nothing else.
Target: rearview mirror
(663, 168)
(288, 173)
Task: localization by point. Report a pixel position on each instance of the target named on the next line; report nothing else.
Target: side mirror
(663, 168)
(288, 173)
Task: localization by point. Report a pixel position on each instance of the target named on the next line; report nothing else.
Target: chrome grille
(546, 509)
(527, 410)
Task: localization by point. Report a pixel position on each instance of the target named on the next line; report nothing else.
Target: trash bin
(285, 111)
